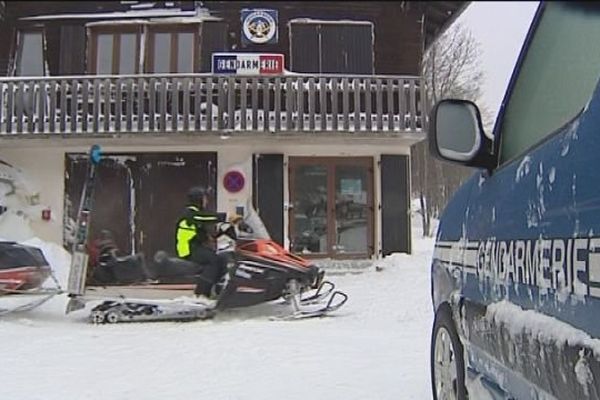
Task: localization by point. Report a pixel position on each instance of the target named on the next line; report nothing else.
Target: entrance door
(332, 206)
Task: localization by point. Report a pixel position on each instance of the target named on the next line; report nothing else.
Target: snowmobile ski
(123, 310)
(324, 290)
(304, 313)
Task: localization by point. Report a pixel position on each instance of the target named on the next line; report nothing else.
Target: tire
(447, 360)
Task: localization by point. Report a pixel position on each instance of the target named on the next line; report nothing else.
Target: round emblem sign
(234, 181)
(259, 27)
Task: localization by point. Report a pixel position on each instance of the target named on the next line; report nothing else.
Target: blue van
(516, 265)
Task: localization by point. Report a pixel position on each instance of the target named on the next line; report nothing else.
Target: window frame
(116, 30)
(17, 49)
(174, 29)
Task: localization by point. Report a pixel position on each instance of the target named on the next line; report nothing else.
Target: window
(114, 50)
(556, 79)
(30, 54)
(172, 49)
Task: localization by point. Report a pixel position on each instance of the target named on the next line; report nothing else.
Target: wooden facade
(101, 73)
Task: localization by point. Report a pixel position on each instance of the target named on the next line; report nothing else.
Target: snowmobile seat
(168, 269)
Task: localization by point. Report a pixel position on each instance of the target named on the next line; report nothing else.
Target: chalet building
(307, 110)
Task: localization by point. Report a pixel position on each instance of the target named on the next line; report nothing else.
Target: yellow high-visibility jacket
(193, 226)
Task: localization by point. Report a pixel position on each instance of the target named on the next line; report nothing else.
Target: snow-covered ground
(375, 347)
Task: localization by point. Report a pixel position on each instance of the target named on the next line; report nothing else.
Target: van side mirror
(456, 134)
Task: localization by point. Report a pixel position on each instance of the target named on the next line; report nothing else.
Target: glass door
(331, 213)
(309, 210)
(352, 207)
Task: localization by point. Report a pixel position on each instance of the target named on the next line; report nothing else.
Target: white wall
(42, 161)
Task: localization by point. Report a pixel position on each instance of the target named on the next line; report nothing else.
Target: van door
(532, 228)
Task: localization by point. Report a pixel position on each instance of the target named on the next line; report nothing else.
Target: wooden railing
(200, 102)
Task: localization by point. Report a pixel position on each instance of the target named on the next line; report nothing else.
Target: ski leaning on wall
(79, 261)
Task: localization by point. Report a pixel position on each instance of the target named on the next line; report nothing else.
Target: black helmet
(196, 194)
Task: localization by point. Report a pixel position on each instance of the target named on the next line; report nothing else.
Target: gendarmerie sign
(247, 63)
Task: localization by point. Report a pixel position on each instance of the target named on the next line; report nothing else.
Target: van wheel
(447, 362)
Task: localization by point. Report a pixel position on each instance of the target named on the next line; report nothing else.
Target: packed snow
(375, 347)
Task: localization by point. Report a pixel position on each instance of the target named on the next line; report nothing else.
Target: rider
(195, 240)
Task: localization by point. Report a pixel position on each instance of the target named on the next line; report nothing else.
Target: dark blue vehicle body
(517, 263)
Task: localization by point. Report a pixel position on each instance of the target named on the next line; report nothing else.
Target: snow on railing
(205, 102)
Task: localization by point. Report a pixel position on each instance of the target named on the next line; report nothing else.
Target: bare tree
(451, 69)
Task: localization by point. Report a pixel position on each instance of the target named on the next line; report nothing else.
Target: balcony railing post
(368, 105)
(231, 95)
(254, 99)
(289, 104)
(357, 108)
(300, 83)
(107, 105)
(20, 105)
(334, 103)
(389, 85)
(277, 107)
(323, 102)
(173, 90)
(402, 103)
(85, 104)
(32, 107)
(118, 103)
(243, 103)
(266, 106)
(311, 103)
(64, 111)
(379, 104)
(96, 105)
(197, 102)
(209, 104)
(162, 118)
(186, 104)
(413, 106)
(52, 117)
(130, 99)
(345, 104)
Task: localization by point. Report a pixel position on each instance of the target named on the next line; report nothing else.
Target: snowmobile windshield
(255, 227)
(15, 255)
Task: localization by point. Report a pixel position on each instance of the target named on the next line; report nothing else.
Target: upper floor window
(172, 49)
(30, 53)
(114, 50)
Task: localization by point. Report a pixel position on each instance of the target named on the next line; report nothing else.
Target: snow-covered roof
(156, 21)
(116, 15)
(325, 21)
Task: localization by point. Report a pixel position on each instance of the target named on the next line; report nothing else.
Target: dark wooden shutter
(395, 204)
(267, 192)
(72, 50)
(304, 51)
(347, 48)
(213, 39)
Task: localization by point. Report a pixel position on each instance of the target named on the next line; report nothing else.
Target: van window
(557, 77)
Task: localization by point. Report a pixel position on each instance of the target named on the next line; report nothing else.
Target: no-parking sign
(234, 181)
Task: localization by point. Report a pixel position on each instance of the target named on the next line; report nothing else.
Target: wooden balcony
(170, 104)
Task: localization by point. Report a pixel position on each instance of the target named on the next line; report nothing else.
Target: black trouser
(214, 267)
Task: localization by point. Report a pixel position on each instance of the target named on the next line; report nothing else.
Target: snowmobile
(259, 271)
(23, 271)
